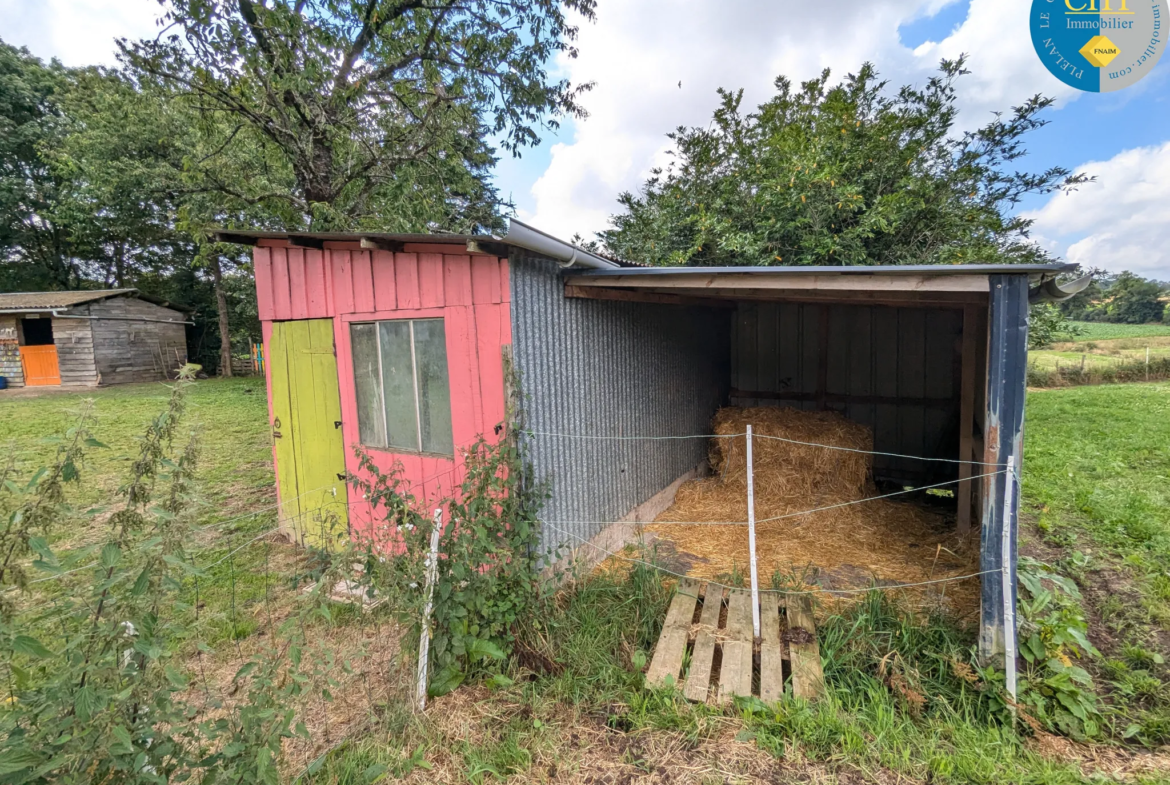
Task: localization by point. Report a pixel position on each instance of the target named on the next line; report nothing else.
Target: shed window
(400, 374)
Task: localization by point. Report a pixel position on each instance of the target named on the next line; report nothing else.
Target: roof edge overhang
(1037, 270)
(924, 285)
(519, 235)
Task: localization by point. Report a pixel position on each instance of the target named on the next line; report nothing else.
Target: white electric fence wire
(632, 438)
(758, 436)
(871, 452)
(293, 518)
(780, 517)
(875, 498)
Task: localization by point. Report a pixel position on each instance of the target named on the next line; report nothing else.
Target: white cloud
(639, 50)
(76, 32)
(1118, 222)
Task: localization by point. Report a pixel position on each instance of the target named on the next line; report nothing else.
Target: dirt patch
(797, 635)
(1116, 762)
(668, 555)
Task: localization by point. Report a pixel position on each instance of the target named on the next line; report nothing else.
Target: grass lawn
(231, 416)
(1097, 488)
(902, 705)
(236, 493)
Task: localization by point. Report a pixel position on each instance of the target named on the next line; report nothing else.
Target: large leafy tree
(143, 163)
(379, 109)
(846, 174)
(35, 249)
(1131, 299)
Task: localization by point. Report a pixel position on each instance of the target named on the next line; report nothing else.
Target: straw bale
(883, 542)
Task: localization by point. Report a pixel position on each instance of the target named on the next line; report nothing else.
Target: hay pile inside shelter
(881, 542)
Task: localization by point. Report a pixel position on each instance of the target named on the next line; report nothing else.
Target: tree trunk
(221, 306)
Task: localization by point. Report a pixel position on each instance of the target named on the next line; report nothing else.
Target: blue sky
(638, 51)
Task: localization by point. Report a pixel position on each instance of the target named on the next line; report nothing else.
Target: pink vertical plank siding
(297, 289)
(485, 279)
(456, 280)
(383, 271)
(281, 304)
(363, 282)
(262, 268)
(430, 280)
(348, 285)
(490, 360)
(466, 415)
(342, 273)
(317, 305)
(406, 280)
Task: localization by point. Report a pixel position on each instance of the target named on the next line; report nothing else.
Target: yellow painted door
(306, 426)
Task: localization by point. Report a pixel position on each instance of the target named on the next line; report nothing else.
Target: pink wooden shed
(311, 293)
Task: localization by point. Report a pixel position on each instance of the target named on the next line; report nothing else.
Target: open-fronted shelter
(398, 343)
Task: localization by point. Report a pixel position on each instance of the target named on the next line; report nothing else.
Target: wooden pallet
(714, 626)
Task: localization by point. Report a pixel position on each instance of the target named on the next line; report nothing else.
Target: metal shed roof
(888, 284)
(860, 270)
(519, 235)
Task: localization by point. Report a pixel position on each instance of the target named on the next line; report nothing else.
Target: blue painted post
(1007, 374)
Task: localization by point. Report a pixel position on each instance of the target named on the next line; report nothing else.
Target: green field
(231, 416)
(1096, 506)
(1104, 331)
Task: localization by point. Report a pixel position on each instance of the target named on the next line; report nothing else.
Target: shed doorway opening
(37, 332)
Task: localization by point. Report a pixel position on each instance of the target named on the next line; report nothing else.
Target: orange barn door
(40, 365)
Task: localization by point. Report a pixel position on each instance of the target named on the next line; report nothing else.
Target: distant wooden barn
(89, 338)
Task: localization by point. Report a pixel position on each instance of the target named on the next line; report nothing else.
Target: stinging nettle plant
(95, 691)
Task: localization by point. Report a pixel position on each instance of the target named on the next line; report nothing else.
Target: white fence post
(424, 641)
(751, 501)
(1009, 616)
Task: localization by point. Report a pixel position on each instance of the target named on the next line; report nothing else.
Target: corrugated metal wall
(602, 368)
(873, 355)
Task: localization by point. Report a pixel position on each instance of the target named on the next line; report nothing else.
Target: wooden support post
(967, 415)
(1007, 359)
(823, 361)
(424, 641)
(751, 505)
